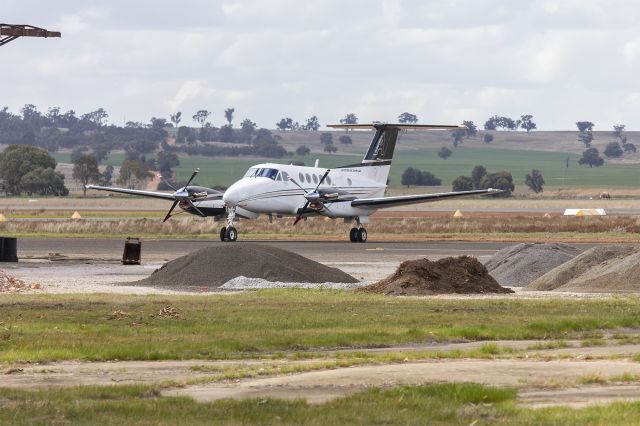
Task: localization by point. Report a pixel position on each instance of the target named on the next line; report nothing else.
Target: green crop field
(224, 171)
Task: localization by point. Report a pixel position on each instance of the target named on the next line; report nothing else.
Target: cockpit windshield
(262, 172)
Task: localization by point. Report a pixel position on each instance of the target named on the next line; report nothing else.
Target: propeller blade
(195, 172)
(167, 182)
(173, 206)
(324, 176)
(299, 217)
(196, 209)
(297, 184)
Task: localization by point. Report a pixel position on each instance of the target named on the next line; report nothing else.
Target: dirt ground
(542, 377)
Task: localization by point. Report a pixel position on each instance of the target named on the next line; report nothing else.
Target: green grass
(224, 171)
(435, 404)
(62, 327)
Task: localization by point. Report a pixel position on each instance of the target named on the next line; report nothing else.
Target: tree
(167, 160)
(18, 160)
(501, 180)
(585, 132)
(85, 170)
(225, 134)
(487, 138)
(462, 183)
(405, 118)
(106, 176)
(477, 174)
(302, 150)
(330, 148)
(527, 123)
(201, 117)
(458, 136)
(410, 177)
(312, 124)
(326, 138)
(426, 178)
(591, 156)
(158, 123)
(345, 140)
(176, 118)
(286, 124)
(133, 173)
(43, 181)
(444, 153)
(350, 118)
(534, 180)
(472, 130)
(613, 150)
(97, 117)
(247, 129)
(228, 114)
(491, 123)
(618, 130)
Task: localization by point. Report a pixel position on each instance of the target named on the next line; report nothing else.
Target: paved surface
(331, 251)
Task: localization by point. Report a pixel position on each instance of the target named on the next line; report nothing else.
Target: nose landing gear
(229, 233)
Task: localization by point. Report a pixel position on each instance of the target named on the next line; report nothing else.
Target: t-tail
(377, 161)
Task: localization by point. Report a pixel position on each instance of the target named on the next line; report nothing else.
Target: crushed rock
(211, 267)
(580, 266)
(461, 275)
(9, 284)
(519, 265)
(244, 283)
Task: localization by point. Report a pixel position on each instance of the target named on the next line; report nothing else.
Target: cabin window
(301, 176)
(285, 176)
(308, 178)
(328, 180)
(349, 181)
(279, 177)
(315, 179)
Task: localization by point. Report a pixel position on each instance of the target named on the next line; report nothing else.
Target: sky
(445, 61)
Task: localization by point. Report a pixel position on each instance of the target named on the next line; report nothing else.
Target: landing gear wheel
(223, 232)
(231, 234)
(353, 235)
(362, 235)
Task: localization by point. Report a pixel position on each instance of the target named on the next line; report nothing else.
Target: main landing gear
(358, 234)
(229, 233)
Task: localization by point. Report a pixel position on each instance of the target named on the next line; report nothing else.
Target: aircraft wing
(415, 199)
(153, 194)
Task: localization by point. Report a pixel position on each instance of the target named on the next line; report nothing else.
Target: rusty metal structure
(10, 32)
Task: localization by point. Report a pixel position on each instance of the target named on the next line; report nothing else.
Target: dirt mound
(517, 266)
(210, 267)
(580, 265)
(462, 275)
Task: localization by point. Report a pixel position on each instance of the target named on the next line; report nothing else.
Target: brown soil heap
(10, 284)
(596, 257)
(517, 266)
(210, 267)
(461, 275)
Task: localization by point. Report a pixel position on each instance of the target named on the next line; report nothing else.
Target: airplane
(352, 192)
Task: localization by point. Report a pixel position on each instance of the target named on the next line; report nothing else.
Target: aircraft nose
(231, 196)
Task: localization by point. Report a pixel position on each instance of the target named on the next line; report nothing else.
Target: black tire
(223, 232)
(362, 235)
(231, 234)
(353, 235)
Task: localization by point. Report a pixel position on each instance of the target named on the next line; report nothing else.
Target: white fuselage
(266, 188)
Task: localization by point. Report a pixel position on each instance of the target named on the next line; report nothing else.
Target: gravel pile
(244, 283)
(209, 268)
(461, 275)
(596, 257)
(519, 265)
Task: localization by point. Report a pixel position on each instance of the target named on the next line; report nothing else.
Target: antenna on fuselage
(317, 162)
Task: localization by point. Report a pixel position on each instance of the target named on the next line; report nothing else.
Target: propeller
(183, 195)
(310, 196)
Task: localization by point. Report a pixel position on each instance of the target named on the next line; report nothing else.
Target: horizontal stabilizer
(376, 126)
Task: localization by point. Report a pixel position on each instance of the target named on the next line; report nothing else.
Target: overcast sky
(445, 61)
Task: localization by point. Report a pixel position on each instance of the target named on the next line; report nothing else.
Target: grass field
(437, 404)
(224, 171)
(105, 327)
